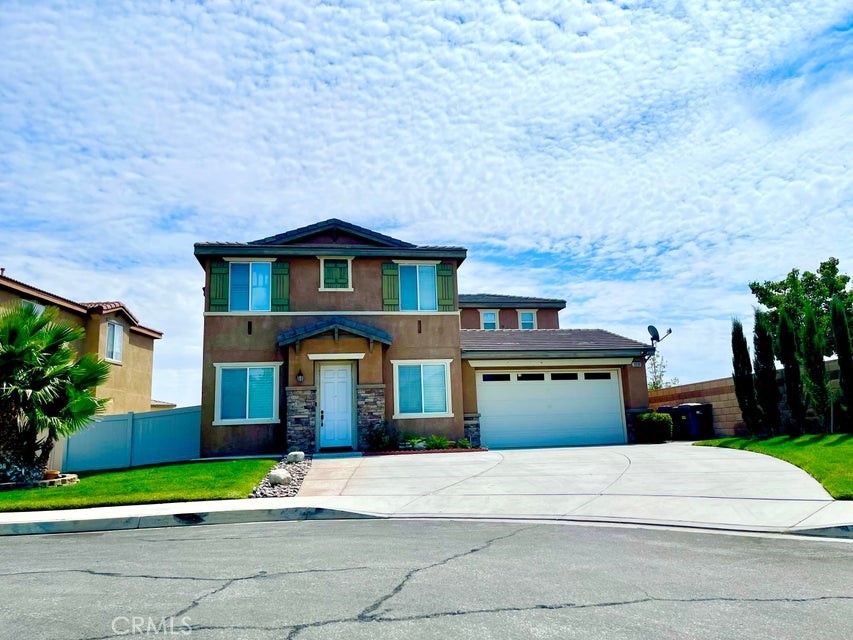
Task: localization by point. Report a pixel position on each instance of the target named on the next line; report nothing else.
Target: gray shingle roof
(547, 340)
(498, 301)
(365, 243)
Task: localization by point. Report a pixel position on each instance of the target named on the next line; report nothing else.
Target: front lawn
(827, 458)
(219, 480)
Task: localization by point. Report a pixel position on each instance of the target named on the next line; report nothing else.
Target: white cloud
(643, 161)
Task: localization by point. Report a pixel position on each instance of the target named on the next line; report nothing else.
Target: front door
(335, 405)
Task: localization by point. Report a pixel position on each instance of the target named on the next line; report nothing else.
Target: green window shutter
(280, 286)
(390, 287)
(446, 293)
(218, 294)
(335, 274)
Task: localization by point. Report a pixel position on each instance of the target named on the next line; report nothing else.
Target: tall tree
(797, 291)
(45, 391)
(844, 350)
(791, 365)
(766, 387)
(816, 379)
(742, 377)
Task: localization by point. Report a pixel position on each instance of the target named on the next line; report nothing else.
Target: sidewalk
(662, 485)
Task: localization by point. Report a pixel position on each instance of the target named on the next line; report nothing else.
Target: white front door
(335, 405)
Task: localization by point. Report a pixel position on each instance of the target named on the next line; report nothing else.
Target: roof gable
(334, 323)
(332, 232)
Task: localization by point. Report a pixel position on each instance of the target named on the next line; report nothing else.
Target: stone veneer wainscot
(301, 419)
(370, 409)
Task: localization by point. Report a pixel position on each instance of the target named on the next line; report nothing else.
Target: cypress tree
(742, 377)
(793, 380)
(766, 389)
(844, 351)
(816, 380)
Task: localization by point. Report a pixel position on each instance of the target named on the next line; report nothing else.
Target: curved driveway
(673, 483)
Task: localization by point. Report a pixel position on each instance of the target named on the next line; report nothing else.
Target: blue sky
(643, 160)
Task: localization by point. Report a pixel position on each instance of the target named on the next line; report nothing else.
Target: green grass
(827, 458)
(218, 480)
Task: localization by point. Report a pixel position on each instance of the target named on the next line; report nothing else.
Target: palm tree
(45, 390)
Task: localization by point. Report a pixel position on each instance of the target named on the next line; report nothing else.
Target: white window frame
(418, 264)
(251, 262)
(497, 319)
(448, 395)
(535, 319)
(322, 260)
(217, 404)
(117, 331)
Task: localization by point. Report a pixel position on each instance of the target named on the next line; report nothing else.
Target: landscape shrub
(463, 443)
(652, 428)
(382, 437)
(437, 442)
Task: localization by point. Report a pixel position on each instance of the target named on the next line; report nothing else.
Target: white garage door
(538, 409)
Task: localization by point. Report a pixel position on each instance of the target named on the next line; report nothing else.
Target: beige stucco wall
(129, 384)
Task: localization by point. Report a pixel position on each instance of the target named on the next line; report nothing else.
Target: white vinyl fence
(131, 440)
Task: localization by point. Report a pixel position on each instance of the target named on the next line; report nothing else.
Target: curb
(179, 520)
(843, 531)
(290, 514)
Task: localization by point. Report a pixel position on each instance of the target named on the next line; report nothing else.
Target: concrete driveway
(673, 483)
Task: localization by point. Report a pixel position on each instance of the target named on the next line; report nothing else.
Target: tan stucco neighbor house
(313, 335)
(112, 333)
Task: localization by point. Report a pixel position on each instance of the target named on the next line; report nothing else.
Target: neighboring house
(113, 333)
(489, 311)
(313, 335)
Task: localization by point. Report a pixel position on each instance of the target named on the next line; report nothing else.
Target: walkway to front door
(335, 405)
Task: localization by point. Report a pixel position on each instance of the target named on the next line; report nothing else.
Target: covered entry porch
(335, 388)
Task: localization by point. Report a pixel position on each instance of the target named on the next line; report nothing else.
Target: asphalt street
(423, 579)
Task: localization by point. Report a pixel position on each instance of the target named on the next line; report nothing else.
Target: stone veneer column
(301, 419)
(370, 408)
(472, 428)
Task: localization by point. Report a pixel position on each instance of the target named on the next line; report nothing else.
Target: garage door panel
(550, 413)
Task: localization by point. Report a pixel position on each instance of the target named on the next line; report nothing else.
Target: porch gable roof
(335, 323)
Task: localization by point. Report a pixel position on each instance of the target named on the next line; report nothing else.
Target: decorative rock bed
(63, 480)
(273, 487)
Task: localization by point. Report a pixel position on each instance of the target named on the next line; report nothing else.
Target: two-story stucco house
(313, 335)
(113, 333)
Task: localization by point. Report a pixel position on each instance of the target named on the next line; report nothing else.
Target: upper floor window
(115, 337)
(526, 319)
(249, 288)
(336, 274)
(418, 291)
(488, 319)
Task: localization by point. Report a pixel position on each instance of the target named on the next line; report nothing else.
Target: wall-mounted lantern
(300, 377)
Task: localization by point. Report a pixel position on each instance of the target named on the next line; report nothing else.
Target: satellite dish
(653, 332)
